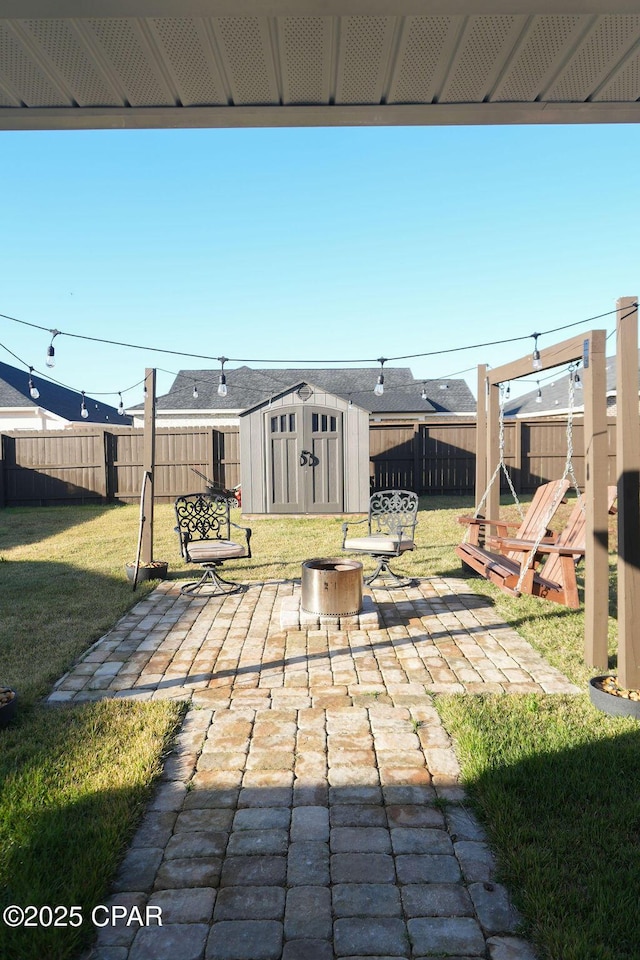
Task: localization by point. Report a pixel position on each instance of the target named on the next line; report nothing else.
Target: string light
(33, 390)
(222, 384)
(84, 413)
(195, 391)
(539, 394)
(423, 395)
(379, 387)
(535, 358)
(121, 406)
(51, 353)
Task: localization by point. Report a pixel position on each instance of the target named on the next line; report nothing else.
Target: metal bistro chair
(391, 525)
(204, 528)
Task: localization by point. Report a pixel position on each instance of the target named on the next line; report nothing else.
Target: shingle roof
(14, 392)
(248, 387)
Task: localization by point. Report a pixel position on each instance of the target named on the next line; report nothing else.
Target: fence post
(417, 472)
(3, 495)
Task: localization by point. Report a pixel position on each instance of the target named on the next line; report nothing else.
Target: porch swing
(513, 563)
(534, 523)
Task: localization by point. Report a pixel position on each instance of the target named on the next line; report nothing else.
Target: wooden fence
(102, 464)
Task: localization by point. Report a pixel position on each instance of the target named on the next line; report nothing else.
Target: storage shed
(304, 450)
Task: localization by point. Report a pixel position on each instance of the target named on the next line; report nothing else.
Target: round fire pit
(331, 587)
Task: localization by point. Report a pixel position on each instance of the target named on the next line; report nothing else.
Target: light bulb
(84, 413)
(195, 391)
(539, 396)
(222, 386)
(423, 395)
(121, 406)
(50, 359)
(379, 387)
(536, 361)
(33, 390)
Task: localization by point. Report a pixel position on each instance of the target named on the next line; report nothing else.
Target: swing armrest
(526, 546)
(500, 544)
(476, 524)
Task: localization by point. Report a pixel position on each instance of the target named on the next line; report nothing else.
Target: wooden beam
(148, 465)
(596, 452)
(628, 476)
(481, 434)
(493, 450)
(553, 356)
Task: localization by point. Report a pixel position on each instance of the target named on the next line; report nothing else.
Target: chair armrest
(247, 532)
(486, 521)
(350, 523)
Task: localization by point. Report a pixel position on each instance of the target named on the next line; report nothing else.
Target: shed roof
(248, 387)
(58, 400)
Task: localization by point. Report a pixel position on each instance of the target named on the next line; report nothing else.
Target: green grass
(556, 784)
(554, 780)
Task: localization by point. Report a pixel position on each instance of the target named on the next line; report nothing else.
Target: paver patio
(311, 807)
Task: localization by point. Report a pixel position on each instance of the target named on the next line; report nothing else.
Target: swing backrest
(544, 504)
(573, 535)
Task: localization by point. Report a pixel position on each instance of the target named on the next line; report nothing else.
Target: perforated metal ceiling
(393, 67)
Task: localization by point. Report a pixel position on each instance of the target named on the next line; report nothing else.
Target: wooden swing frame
(589, 348)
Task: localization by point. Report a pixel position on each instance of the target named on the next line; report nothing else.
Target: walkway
(311, 808)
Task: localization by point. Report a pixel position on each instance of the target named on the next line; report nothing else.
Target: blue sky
(311, 244)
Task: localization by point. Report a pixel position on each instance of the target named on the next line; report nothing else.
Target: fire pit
(331, 587)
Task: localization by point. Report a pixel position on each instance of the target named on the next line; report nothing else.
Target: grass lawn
(554, 780)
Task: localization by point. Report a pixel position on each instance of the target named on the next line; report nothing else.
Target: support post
(596, 452)
(149, 462)
(628, 477)
(493, 449)
(481, 434)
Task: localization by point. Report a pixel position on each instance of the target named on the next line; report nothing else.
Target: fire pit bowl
(331, 587)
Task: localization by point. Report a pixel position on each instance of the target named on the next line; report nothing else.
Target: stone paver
(300, 815)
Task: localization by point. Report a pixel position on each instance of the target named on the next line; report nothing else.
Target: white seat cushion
(204, 551)
(383, 544)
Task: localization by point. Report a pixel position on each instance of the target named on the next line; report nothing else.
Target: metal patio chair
(204, 528)
(391, 524)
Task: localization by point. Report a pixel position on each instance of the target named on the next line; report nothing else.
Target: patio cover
(79, 64)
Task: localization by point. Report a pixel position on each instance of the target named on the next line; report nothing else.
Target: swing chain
(567, 472)
(501, 465)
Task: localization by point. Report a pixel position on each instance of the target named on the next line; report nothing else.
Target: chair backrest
(202, 517)
(393, 512)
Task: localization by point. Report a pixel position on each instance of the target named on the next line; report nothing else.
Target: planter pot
(7, 706)
(611, 703)
(156, 571)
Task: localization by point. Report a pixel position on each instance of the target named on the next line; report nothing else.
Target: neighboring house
(553, 396)
(56, 407)
(247, 387)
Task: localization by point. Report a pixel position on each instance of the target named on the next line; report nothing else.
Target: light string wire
(408, 356)
(55, 332)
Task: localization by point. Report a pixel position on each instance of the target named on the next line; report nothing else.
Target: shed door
(284, 431)
(323, 472)
(305, 468)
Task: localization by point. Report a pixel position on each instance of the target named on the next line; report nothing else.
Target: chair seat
(382, 544)
(204, 551)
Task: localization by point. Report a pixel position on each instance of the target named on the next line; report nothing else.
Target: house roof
(238, 63)
(64, 403)
(248, 387)
(555, 395)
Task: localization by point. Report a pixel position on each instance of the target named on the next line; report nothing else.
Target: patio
(311, 807)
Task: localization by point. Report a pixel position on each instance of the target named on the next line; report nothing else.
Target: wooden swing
(513, 563)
